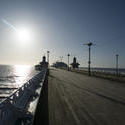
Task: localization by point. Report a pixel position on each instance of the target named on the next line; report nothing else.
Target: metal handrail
(17, 102)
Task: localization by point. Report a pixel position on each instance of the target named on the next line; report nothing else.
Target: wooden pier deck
(75, 99)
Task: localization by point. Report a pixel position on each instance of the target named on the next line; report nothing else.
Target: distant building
(60, 65)
(75, 64)
(42, 64)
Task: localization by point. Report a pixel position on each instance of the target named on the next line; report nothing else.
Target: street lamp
(117, 70)
(68, 61)
(48, 56)
(89, 62)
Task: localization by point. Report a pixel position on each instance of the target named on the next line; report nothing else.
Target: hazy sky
(62, 26)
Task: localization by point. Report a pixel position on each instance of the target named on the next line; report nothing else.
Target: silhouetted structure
(75, 64)
(60, 65)
(42, 64)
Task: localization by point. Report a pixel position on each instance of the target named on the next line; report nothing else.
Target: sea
(12, 77)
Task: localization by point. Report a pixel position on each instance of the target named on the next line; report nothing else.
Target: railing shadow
(42, 111)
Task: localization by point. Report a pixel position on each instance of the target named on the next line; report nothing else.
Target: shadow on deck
(42, 111)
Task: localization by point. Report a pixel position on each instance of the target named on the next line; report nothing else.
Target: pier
(65, 98)
(76, 99)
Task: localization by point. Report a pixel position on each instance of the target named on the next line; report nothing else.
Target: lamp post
(68, 61)
(48, 56)
(61, 58)
(89, 61)
(117, 70)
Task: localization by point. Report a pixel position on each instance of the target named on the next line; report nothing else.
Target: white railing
(15, 106)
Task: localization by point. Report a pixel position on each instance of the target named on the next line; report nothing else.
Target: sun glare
(24, 35)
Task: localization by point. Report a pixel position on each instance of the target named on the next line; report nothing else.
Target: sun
(23, 35)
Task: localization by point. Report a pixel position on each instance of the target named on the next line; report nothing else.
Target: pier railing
(14, 109)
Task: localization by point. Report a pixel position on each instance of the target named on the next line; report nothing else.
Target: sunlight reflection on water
(22, 74)
(12, 77)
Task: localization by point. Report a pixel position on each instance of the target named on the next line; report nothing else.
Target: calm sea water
(12, 77)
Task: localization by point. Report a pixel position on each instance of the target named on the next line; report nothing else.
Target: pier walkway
(76, 99)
